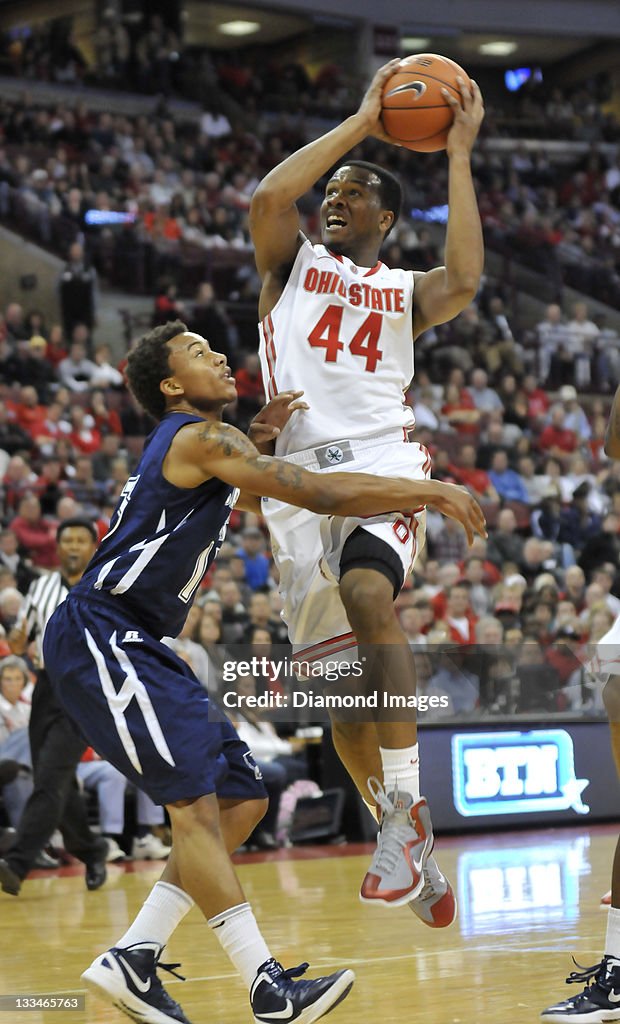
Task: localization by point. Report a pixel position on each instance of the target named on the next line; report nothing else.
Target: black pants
(55, 802)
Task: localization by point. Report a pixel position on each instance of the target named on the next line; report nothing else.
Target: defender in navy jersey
(162, 538)
(143, 709)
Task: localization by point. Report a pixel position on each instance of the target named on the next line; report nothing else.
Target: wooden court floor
(527, 902)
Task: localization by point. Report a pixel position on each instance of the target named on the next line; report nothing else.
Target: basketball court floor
(527, 902)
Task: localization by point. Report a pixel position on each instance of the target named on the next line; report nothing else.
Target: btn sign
(515, 773)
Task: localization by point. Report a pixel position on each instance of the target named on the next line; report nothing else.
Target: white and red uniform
(605, 660)
(343, 334)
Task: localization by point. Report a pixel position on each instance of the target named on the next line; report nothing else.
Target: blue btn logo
(515, 773)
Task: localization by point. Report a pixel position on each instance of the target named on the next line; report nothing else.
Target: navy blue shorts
(142, 708)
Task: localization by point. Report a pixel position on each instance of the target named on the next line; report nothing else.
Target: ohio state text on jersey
(343, 334)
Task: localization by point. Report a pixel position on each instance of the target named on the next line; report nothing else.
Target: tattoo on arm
(227, 441)
(291, 476)
(230, 443)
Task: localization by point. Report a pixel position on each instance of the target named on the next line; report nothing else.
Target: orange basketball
(415, 112)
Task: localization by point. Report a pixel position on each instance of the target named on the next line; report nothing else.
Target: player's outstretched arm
(442, 293)
(612, 435)
(274, 220)
(200, 451)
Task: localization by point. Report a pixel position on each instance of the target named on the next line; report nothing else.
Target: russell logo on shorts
(132, 636)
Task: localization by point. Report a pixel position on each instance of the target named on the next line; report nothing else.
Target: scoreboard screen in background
(544, 773)
(515, 773)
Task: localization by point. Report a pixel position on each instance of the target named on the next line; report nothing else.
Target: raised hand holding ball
(419, 101)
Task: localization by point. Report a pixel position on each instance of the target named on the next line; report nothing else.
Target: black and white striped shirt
(42, 599)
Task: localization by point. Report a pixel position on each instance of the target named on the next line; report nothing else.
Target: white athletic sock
(163, 909)
(612, 942)
(241, 940)
(402, 767)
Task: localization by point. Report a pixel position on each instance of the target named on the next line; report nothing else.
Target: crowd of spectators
(147, 54)
(532, 456)
(561, 219)
(135, 56)
(182, 187)
(517, 416)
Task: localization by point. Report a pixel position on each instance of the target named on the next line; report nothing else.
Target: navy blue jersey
(162, 539)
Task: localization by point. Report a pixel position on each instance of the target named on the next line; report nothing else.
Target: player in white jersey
(600, 999)
(334, 299)
(339, 324)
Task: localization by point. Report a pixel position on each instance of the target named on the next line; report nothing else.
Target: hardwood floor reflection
(527, 902)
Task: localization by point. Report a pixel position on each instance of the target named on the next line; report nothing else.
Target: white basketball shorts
(308, 547)
(606, 658)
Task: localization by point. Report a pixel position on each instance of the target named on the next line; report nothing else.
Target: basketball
(415, 111)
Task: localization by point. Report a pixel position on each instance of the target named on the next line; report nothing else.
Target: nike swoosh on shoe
(142, 986)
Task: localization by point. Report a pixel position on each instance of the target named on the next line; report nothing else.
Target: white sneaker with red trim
(404, 844)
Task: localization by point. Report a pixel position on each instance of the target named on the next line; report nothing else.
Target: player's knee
(190, 816)
(256, 811)
(368, 601)
(611, 698)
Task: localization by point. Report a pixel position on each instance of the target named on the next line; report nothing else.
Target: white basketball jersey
(344, 335)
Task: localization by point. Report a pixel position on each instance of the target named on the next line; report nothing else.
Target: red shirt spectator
(107, 421)
(475, 479)
(563, 654)
(557, 439)
(167, 307)
(597, 441)
(29, 414)
(469, 475)
(250, 390)
(84, 436)
(36, 534)
(537, 400)
(250, 383)
(492, 575)
(459, 618)
(102, 525)
(438, 603)
(53, 427)
(460, 411)
(56, 348)
(160, 225)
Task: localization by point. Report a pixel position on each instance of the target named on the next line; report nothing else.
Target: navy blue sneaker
(127, 978)
(275, 997)
(599, 1002)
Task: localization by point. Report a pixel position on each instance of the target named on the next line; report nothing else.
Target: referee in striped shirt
(56, 745)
